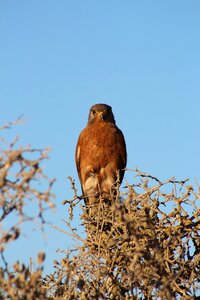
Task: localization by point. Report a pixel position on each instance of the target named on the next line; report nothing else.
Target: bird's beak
(101, 115)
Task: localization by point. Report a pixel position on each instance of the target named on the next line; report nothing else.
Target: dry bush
(144, 244)
(20, 173)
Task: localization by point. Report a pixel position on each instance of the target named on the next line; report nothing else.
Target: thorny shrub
(144, 244)
(20, 172)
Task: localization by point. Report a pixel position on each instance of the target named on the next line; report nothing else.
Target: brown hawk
(100, 153)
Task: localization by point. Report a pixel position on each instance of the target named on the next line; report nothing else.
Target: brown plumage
(100, 153)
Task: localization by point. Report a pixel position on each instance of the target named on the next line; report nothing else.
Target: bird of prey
(100, 154)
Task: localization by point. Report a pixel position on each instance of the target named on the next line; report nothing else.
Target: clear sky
(57, 58)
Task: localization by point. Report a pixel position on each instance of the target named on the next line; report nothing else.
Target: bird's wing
(78, 154)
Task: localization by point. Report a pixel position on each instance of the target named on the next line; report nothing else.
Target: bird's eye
(93, 111)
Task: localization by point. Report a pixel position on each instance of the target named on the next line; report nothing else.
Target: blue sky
(57, 58)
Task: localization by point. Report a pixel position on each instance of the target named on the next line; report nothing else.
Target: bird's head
(101, 113)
